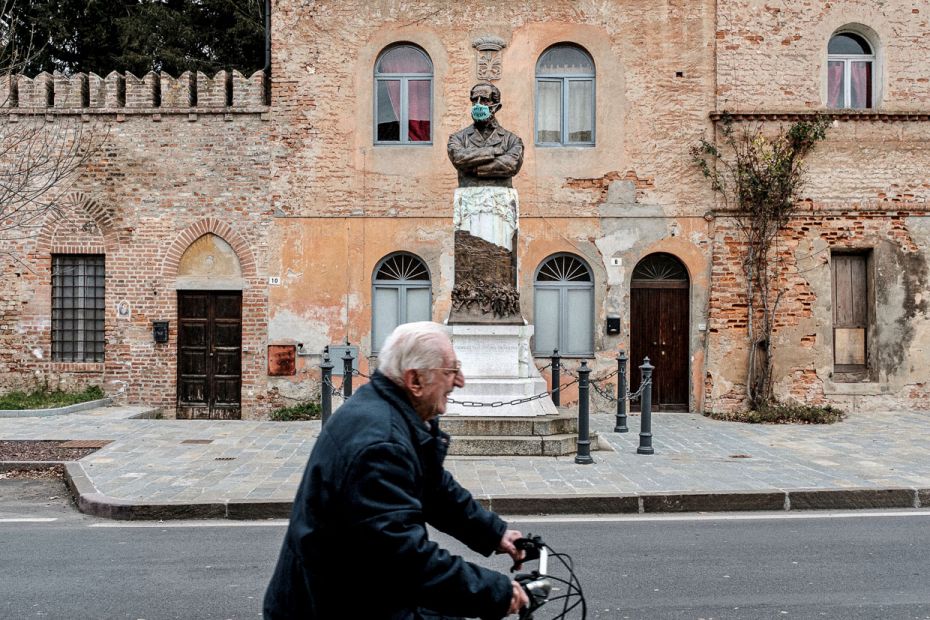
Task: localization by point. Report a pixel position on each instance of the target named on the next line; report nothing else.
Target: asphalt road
(60, 564)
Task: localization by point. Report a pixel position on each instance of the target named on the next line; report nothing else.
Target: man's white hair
(412, 346)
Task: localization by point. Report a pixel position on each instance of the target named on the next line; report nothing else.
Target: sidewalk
(164, 469)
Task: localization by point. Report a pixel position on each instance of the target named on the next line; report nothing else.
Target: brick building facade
(289, 219)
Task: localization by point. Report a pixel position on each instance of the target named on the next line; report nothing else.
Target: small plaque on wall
(282, 360)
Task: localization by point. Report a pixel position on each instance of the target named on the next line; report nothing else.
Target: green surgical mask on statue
(480, 112)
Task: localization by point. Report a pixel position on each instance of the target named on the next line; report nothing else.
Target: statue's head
(485, 100)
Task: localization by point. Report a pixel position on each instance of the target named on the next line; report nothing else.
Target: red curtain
(418, 109)
(408, 60)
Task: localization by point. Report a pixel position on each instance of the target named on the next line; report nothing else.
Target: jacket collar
(393, 393)
(495, 137)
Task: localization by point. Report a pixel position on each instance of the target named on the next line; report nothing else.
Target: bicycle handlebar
(538, 584)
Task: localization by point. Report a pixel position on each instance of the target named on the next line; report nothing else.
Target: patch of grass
(303, 411)
(782, 413)
(43, 398)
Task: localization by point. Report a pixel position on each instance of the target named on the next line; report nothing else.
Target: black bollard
(326, 390)
(347, 373)
(583, 456)
(621, 426)
(645, 428)
(556, 378)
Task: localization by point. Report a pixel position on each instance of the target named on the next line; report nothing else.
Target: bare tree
(759, 178)
(40, 156)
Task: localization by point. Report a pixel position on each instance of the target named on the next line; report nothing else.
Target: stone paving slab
(156, 468)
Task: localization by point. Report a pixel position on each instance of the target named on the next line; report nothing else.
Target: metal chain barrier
(334, 391)
(359, 373)
(606, 392)
(642, 388)
(516, 401)
(630, 395)
(594, 383)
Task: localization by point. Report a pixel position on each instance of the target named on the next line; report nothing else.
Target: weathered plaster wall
(349, 203)
(323, 99)
(867, 190)
(299, 191)
(847, 210)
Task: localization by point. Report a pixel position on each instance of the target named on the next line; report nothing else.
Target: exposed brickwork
(150, 190)
(804, 250)
(300, 192)
(771, 56)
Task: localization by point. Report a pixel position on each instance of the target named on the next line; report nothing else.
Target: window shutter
(578, 327)
(546, 320)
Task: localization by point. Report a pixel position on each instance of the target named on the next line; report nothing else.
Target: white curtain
(549, 111)
(580, 110)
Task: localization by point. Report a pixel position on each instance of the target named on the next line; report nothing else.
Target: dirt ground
(52, 472)
(38, 451)
(42, 451)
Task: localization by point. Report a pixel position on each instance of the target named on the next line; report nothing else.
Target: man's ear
(413, 381)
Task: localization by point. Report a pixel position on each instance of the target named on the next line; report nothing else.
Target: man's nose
(459, 380)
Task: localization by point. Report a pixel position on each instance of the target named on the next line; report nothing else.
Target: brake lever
(530, 547)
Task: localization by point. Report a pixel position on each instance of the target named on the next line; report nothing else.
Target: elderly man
(357, 545)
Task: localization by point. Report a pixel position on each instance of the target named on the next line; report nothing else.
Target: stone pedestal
(498, 367)
(485, 290)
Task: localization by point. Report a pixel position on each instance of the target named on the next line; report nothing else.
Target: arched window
(660, 270)
(564, 306)
(850, 71)
(565, 97)
(403, 96)
(401, 293)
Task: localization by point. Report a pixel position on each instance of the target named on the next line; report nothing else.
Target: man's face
(438, 384)
(483, 94)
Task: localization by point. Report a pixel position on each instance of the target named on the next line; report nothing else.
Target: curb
(750, 501)
(90, 501)
(41, 413)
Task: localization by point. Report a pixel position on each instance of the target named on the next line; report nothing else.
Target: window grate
(78, 298)
(563, 268)
(399, 267)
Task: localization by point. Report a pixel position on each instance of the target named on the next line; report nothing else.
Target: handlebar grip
(526, 613)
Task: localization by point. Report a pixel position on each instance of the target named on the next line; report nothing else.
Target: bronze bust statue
(484, 153)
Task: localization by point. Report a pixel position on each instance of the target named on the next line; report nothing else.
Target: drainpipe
(267, 52)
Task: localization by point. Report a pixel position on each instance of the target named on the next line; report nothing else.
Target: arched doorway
(209, 286)
(659, 311)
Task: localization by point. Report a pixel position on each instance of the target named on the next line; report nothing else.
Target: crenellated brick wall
(124, 91)
(167, 167)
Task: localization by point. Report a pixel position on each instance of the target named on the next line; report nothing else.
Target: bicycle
(540, 584)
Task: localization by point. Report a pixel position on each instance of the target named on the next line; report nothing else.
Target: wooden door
(659, 311)
(209, 355)
(850, 314)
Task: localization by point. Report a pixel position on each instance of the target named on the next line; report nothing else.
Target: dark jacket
(357, 544)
